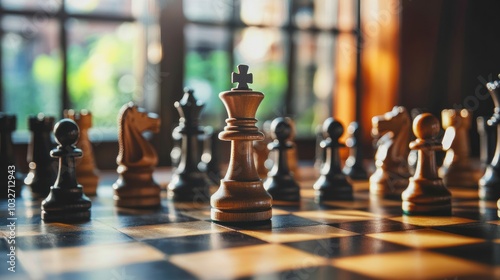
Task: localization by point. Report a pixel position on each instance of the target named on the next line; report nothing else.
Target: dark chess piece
(487, 141)
(391, 159)
(426, 193)
(261, 152)
(188, 182)
(320, 154)
(11, 186)
(175, 154)
(209, 163)
(457, 169)
(332, 184)
(241, 196)
(489, 184)
(42, 168)
(354, 164)
(66, 201)
(135, 187)
(86, 170)
(280, 184)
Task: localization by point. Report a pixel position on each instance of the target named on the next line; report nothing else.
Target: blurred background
(311, 58)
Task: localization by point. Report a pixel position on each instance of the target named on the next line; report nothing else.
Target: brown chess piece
(457, 170)
(66, 201)
(241, 196)
(391, 159)
(426, 193)
(86, 171)
(135, 187)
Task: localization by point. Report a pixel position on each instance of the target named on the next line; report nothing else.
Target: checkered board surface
(362, 239)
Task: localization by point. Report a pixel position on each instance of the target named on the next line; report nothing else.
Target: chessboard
(365, 238)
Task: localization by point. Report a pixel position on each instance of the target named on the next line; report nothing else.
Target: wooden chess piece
(457, 170)
(261, 152)
(42, 168)
(426, 193)
(135, 187)
(86, 171)
(320, 154)
(280, 184)
(489, 184)
(175, 154)
(332, 184)
(391, 159)
(241, 196)
(188, 182)
(209, 163)
(12, 180)
(354, 164)
(487, 141)
(66, 201)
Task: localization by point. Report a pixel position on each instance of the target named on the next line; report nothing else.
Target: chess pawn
(135, 187)
(293, 163)
(261, 152)
(11, 186)
(209, 163)
(391, 159)
(241, 196)
(280, 184)
(86, 171)
(426, 193)
(354, 164)
(66, 201)
(457, 170)
(332, 184)
(489, 184)
(42, 168)
(188, 182)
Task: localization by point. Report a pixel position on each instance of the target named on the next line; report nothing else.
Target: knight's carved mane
(397, 147)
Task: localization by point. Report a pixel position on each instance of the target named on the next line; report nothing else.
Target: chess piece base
(489, 184)
(66, 205)
(384, 184)
(189, 187)
(136, 190)
(332, 189)
(282, 188)
(426, 197)
(237, 201)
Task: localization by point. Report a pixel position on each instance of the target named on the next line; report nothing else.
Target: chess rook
(135, 187)
(86, 171)
(241, 196)
(391, 159)
(426, 193)
(457, 170)
(188, 182)
(332, 184)
(66, 201)
(42, 168)
(7, 157)
(280, 184)
(489, 184)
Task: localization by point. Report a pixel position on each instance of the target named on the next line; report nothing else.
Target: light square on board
(335, 216)
(172, 230)
(293, 234)
(425, 238)
(428, 221)
(245, 261)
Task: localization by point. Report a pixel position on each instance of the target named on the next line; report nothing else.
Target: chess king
(241, 196)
